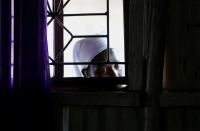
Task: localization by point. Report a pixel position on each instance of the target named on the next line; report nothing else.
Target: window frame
(81, 83)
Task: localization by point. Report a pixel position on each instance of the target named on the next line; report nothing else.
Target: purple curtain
(5, 46)
(29, 106)
(31, 55)
(5, 62)
(31, 69)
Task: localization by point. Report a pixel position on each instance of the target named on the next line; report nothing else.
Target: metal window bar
(81, 14)
(50, 21)
(53, 13)
(86, 63)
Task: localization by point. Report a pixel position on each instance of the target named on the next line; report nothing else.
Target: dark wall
(162, 34)
(182, 65)
(182, 57)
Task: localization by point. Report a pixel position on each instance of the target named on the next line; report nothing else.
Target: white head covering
(86, 49)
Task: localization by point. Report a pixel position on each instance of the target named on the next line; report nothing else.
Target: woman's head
(95, 50)
(104, 70)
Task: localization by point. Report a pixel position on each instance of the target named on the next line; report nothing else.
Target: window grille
(62, 36)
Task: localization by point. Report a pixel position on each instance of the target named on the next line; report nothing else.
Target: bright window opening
(78, 20)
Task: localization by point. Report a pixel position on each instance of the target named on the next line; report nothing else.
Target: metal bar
(126, 36)
(58, 40)
(61, 52)
(82, 36)
(85, 14)
(61, 24)
(50, 21)
(52, 60)
(82, 14)
(63, 6)
(86, 63)
(108, 38)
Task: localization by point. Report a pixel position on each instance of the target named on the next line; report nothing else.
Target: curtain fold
(5, 46)
(25, 104)
(34, 110)
(31, 55)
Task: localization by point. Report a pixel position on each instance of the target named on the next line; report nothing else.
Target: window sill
(80, 84)
(112, 98)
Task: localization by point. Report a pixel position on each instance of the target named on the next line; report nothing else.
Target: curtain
(31, 69)
(5, 46)
(28, 106)
(5, 63)
(31, 55)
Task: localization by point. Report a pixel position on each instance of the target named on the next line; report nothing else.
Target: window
(72, 20)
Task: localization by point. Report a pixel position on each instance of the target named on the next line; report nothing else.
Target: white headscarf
(86, 49)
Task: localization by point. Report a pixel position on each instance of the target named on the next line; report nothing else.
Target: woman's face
(104, 70)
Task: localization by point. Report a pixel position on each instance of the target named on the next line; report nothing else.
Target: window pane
(117, 26)
(85, 6)
(86, 25)
(51, 70)
(68, 54)
(50, 39)
(70, 71)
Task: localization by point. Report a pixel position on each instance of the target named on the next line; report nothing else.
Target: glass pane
(117, 26)
(86, 25)
(71, 71)
(51, 70)
(50, 38)
(85, 6)
(68, 51)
